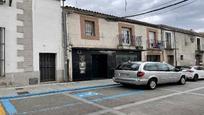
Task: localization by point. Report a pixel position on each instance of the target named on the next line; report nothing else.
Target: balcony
(156, 45)
(130, 42)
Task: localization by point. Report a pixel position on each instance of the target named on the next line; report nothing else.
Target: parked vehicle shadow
(140, 87)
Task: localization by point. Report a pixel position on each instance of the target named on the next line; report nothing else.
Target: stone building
(31, 41)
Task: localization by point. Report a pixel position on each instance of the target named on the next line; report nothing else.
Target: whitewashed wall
(47, 32)
(8, 20)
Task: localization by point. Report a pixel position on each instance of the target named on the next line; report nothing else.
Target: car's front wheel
(195, 78)
(182, 81)
(152, 84)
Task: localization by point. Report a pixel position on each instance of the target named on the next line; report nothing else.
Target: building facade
(101, 42)
(39, 40)
(31, 41)
(98, 43)
(182, 47)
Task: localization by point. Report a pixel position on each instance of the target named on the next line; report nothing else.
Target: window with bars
(2, 51)
(168, 36)
(152, 39)
(126, 36)
(89, 28)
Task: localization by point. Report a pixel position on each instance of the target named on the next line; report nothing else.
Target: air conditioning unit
(2, 2)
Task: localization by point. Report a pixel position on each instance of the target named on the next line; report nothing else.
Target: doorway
(99, 66)
(153, 58)
(198, 44)
(47, 67)
(171, 59)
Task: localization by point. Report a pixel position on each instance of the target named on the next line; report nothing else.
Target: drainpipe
(175, 49)
(64, 32)
(162, 44)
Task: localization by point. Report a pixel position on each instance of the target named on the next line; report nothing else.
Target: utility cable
(158, 9)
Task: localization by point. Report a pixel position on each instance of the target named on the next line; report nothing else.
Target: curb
(58, 91)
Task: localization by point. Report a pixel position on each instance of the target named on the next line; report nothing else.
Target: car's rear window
(128, 66)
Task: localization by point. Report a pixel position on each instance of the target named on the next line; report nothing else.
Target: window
(2, 51)
(129, 66)
(163, 67)
(126, 36)
(153, 58)
(152, 39)
(151, 67)
(89, 28)
(181, 57)
(168, 39)
(198, 68)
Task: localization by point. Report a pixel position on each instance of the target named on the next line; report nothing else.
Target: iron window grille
(89, 28)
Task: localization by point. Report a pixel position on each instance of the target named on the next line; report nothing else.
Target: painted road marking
(124, 94)
(95, 104)
(50, 108)
(86, 94)
(10, 108)
(156, 98)
(2, 112)
(146, 101)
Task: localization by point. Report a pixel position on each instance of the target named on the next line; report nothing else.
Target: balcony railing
(131, 41)
(126, 40)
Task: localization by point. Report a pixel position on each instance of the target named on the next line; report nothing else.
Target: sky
(189, 15)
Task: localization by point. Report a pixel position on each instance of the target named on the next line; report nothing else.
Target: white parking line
(105, 109)
(148, 100)
(155, 98)
(198, 94)
(166, 89)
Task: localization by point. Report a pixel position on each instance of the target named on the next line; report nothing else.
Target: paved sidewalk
(51, 88)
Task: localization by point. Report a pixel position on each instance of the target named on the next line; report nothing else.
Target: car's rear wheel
(152, 84)
(182, 81)
(195, 78)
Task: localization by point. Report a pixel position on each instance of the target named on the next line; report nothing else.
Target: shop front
(92, 64)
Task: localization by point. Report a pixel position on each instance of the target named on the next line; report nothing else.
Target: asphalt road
(169, 99)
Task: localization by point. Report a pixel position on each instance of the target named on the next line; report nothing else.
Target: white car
(194, 72)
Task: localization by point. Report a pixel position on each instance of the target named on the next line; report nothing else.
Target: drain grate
(23, 93)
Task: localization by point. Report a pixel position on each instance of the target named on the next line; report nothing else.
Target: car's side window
(151, 67)
(201, 68)
(163, 67)
(196, 68)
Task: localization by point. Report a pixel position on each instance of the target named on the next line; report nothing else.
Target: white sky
(190, 16)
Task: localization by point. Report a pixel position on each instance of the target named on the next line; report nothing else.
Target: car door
(174, 74)
(164, 72)
(201, 69)
(198, 70)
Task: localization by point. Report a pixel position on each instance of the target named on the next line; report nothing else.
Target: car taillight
(140, 74)
(191, 71)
